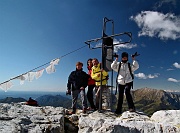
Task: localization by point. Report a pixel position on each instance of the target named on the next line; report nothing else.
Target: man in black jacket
(77, 82)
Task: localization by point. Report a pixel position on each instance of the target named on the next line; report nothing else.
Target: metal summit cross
(107, 51)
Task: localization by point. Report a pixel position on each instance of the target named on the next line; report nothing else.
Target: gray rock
(129, 123)
(21, 118)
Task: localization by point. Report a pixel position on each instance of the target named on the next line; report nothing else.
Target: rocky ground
(20, 118)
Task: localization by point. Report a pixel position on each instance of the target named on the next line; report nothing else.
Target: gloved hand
(82, 88)
(68, 92)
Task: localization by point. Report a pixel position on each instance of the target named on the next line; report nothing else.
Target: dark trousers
(129, 99)
(75, 94)
(90, 96)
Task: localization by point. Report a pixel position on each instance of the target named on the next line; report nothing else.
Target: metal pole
(102, 65)
(111, 95)
(105, 20)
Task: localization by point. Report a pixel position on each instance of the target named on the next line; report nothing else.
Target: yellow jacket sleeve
(94, 74)
(104, 73)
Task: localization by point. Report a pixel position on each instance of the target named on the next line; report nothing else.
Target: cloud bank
(143, 76)
(123, 46)
(120, 46)
(155, 24)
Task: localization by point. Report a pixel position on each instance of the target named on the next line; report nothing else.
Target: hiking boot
(84, 110)
(132, 110)
(71, 112)
(94, 109)
(118, 112)
(89, 108)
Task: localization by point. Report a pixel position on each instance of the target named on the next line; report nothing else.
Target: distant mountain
(151, 100)
(56, 101)
(146, 100)
(11, 99)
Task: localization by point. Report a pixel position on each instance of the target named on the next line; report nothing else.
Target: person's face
(124, 58)
(95, 62)
(90, 63)
(79, 67)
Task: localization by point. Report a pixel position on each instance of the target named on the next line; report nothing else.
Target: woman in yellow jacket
(96, 75)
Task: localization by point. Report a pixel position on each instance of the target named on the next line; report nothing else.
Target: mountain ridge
(146, 100)
(150, 100)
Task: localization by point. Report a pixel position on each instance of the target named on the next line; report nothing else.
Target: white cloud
(153, 76)
(120, 46)
(143, 45)
(124, 46)
(159, 4)
(173, 80)
(151, 66)
(176, 65)
(143, 76)
(164, 26)
(170, 69)
(98, 45)
(175, 52)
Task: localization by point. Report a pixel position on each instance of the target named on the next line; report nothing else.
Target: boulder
(17, 117)
(130, 122)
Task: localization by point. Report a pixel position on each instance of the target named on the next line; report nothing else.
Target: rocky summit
(128, 122)
(20, 118)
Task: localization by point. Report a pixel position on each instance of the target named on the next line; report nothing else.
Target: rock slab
(19, 118)
(128, 122)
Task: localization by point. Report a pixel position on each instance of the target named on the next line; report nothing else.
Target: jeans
(75, 94)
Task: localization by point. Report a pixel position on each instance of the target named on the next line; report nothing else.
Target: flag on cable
(5, 86)
(27, 76)
(31, 75)
(51, 68)
(22, 79)
(39, 73)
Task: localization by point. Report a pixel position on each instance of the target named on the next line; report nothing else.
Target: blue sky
(34, 32)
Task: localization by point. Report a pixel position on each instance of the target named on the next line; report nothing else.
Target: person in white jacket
(125, 80)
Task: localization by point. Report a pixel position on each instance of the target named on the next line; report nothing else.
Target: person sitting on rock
(32, 102)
